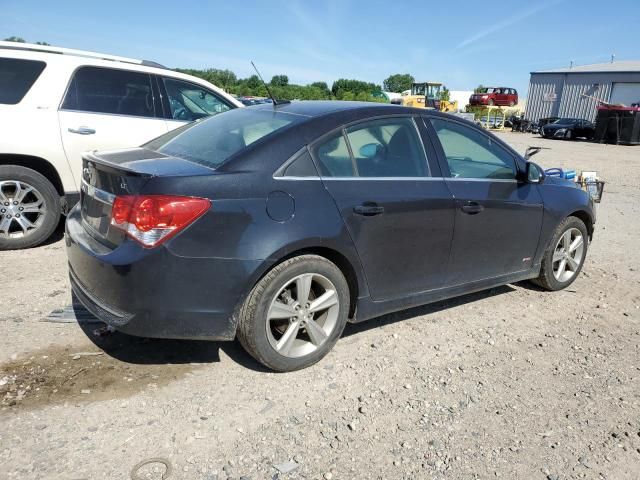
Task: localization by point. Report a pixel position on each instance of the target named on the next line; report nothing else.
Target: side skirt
(368, 308)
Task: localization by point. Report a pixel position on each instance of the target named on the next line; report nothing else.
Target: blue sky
(462, 43)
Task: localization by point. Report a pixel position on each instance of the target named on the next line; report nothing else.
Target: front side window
(106, 90)
(189, 102)
(379, 148)
(17, 76)
(212, 141)
(472, 154)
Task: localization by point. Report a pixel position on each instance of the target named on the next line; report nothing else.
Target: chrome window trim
(113, 114)
(465, 179)
(384, 179)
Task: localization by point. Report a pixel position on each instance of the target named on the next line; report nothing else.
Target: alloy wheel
(302, 315)
(22, 209)
(568, 255)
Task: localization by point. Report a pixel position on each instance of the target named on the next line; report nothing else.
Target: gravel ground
(513, 382)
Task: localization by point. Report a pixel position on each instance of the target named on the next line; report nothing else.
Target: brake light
(152, 219)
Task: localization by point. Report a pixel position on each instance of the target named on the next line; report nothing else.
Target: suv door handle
(472, 208)
(368, 209)
(82, 130)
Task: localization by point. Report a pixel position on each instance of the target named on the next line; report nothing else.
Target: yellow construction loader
(429, 95)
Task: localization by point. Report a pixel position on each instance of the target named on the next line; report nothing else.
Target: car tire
(24, 229)
(512, 103)
(556, 277)
(491, 103)
(284, 343)
(568, 135)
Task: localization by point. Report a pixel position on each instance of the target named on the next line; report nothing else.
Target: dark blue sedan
(280, 223)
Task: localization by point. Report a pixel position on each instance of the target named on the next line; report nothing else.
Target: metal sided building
(561, 92)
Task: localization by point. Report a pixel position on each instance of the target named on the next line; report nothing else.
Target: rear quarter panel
(238, 226)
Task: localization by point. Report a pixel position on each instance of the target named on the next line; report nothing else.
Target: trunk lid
(106, 175)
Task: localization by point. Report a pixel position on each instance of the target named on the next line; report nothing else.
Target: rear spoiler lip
(157, 165)
(92, 156)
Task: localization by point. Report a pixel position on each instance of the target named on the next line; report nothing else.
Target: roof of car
(316, 108)
(32, 47)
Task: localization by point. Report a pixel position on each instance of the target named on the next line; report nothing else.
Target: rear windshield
(211, 141)
(16, 78)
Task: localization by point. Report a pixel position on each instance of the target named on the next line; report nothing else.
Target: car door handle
(368, 210)
(82, 130)
(472, 208)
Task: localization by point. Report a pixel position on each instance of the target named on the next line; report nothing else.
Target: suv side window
(107, 90)
(188, 101)
(472, 154)
(17, 76)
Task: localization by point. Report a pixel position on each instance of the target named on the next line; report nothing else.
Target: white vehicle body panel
(37, 127)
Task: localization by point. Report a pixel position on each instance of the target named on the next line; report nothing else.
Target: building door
(625, 93)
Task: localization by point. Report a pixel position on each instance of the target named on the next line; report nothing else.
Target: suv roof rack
(32, 47)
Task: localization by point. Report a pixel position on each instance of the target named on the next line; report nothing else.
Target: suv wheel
(491, 103)
(295, 314)
(564, 257)
(29, 208)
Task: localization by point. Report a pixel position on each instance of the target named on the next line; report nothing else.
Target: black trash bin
(618, 125)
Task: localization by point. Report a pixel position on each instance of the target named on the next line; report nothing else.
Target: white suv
(56, 103)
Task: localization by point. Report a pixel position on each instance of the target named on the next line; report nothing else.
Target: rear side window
(17, 76)
(105, 90)
(472, 154)
(212, 141)
(334, 159)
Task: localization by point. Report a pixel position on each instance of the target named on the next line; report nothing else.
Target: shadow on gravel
(355, 328)
(148, 351)
(152, 351)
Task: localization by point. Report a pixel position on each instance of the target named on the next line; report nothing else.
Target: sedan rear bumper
(153, 292)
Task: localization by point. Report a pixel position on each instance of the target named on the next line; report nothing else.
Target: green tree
(15, 39)
(279, 80)
(322, 87)
(253, 82)
(398, 82)
(478, 88)
(343, 86)
(43, 43)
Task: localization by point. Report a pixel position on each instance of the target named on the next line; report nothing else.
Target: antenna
(613, 57)
(273, 99)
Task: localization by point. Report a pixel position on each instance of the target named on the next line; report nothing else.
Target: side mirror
(370, 150)
(534, 173)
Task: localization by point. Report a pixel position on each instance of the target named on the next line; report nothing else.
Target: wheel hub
(22, 208)
(302, 315)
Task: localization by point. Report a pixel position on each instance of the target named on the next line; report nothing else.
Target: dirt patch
(59, 375)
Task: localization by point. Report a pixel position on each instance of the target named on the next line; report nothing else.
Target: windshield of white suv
(212, 141)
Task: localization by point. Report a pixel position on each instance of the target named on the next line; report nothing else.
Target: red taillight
(152, 219)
